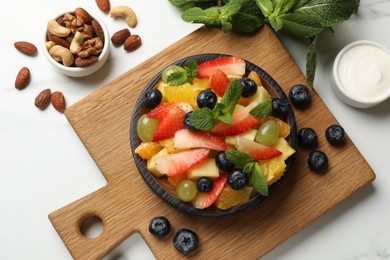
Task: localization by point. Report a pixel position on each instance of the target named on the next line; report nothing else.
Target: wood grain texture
(126, 204)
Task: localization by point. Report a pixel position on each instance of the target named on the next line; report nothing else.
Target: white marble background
(44, 166)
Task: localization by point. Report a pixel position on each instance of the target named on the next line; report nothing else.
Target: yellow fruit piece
(169, 145)
(185, 93)
(255, 77)
(201, 84)
(151, 165)
(207, 168)
(283, 146)
(260, 95)
(250, 135)
(160, 86)
(230, 197)
(273, 169)
(147, 149)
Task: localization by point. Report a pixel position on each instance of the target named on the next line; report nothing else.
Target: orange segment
(174, 180)
(273, 169)
(147, 149)
(230, 197)
(184, 93)
(169, 145)
(255, 77)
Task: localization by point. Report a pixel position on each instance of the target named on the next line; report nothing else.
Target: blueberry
(204, 184)
(159, 226)
(279, 107)
(317, 161)
(206, 98)
(238, 179)
(152, 98)
(186, 241)
(249, 87)
(335, 134)
(300, 96)
(307, 137)
(222, 162)
(187, 123)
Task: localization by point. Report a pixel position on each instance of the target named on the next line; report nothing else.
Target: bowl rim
(186, 206)
(345, 95)
(81, 71)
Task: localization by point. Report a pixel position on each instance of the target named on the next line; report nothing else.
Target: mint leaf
(266, 7)
(248, 167)
(231, 96)
(263, 109)
(226, 118)
(177, 78)
(191, 68)
(202, 119)
(208, 16)
(248, 18)
(284, 6)
(238, 158)
(327, 12)
(258, 180)
(275, 22)
(311, 61)
(301, 25)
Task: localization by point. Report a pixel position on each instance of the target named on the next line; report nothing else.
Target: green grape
(268, 133)
(186, 190)
(170, 70)
(146, 127)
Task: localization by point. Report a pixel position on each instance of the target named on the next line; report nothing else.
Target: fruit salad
(213, 133)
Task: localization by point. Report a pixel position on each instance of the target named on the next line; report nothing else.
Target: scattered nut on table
(126, 13)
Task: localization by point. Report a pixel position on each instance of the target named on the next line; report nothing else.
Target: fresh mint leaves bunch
(302, 18)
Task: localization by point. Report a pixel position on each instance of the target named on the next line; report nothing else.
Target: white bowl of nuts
(76, 43)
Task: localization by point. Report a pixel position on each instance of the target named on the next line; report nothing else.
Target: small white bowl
(361, 74)
(81, 71)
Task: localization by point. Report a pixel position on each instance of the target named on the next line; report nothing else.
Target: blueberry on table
(238, 179)
(204, 184)
(249, 87)
(159, 226)
(335, 134)
(206, 98)
(279, 107)
(186, 241)
(300, 96)
(152, 98)
(222, 162)
(307, 137)
(317, 161)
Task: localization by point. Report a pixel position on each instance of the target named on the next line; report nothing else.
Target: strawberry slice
(173, 121)
(206, 199)
(234, 66)
(178, 163)
(161, 111)
(242, 121)
(185, 139)
(219, 82)
(257, 150)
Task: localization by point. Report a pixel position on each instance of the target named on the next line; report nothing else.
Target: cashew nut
(126, 13)
(56, 29)
(49, 44)
(66, 56)
(75, 45)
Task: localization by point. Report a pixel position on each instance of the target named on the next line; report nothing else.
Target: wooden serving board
(126, 204)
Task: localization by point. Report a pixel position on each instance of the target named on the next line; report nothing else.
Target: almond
(58, 101)
(26, 47)
(23, 78)
(83, 62)
(98, 30)
(132, 42)
(58, 40)
(83, 14)
(104, 5)
(43, 99)
(120, 36)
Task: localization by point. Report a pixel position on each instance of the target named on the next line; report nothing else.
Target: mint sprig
(205, 119)
(250, 166)
(178, 78)
(263, 109)
(302, 18)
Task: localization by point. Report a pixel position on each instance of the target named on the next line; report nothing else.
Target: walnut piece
(72, 23)
(90, 47)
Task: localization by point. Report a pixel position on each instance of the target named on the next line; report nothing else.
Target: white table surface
(44, 166)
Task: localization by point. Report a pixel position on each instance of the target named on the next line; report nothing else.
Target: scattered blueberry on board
(318, 161)
(159, 226)
(300, 96)
(186, 241)
(279, 107)
(307, 137)
(335, 134)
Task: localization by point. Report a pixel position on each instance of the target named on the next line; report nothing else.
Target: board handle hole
(92, 227)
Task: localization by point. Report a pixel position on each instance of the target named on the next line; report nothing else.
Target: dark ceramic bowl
(161, 186)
